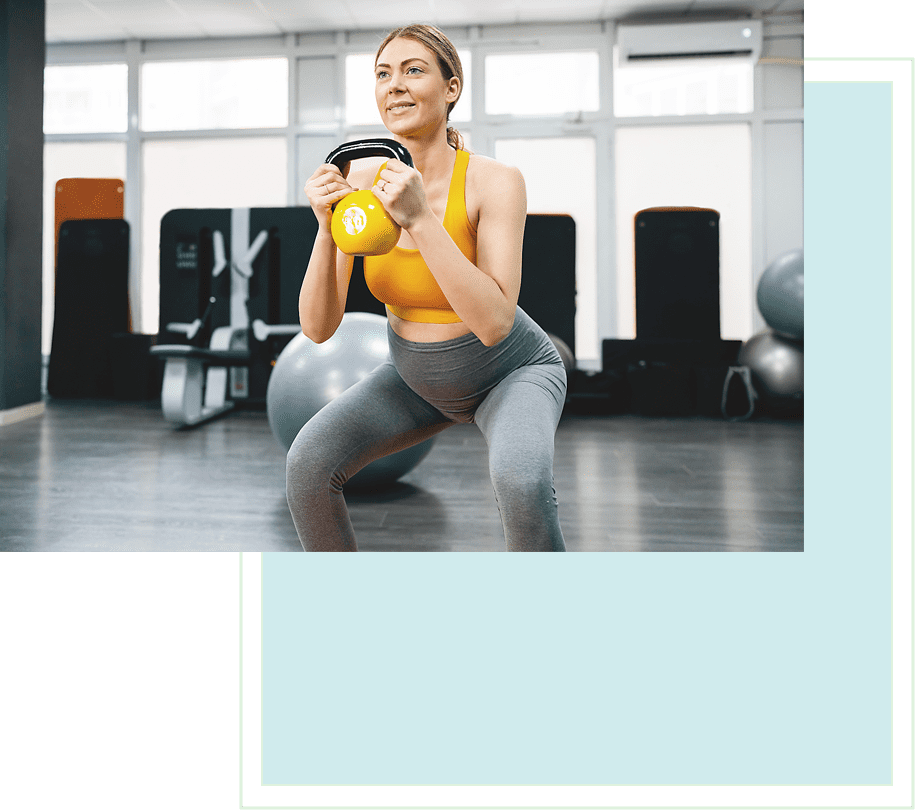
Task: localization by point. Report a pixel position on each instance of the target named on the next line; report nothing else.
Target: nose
(396, 84)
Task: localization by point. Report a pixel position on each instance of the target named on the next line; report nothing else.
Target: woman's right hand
(324, 188)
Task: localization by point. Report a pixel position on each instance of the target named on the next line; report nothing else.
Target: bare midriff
(426, 332)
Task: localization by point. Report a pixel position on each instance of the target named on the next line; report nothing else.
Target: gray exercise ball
(780, 294)
(565, 353)
(777, 368)
(308, 375)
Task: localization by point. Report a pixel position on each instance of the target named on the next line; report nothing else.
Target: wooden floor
(111, 476)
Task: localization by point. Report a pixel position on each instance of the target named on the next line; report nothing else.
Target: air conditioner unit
(695, 40)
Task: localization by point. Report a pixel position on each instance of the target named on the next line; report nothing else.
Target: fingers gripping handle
(360, 226)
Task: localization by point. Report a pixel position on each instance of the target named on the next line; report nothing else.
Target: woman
(461, 349)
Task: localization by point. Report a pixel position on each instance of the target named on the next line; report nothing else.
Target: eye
(414, 67)
(381, 74)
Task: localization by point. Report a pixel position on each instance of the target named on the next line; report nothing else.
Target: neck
(430, 155)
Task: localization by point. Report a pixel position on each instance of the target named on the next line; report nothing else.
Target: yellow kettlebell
(360, 226)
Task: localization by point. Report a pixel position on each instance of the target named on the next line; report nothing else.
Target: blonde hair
(449, 63)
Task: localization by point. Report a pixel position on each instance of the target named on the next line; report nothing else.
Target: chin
(401, 127)
(407, 130)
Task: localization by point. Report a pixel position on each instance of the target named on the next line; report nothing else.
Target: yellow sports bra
(402, 281)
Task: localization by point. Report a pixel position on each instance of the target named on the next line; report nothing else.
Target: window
(203, 173)
(360, 90)
(687, 87)
(536, 158)
(85, 98)
(360, 94)
(542, 83)
(214, 94)
(703, 165)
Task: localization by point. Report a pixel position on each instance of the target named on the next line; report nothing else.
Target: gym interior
(153, 370)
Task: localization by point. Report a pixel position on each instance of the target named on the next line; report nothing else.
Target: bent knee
(309, 470)
(523, 484)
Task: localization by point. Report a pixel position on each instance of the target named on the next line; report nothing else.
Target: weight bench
(194, 388)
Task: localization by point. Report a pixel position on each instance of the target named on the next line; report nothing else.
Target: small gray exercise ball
(780, 294)
(777, 368)
(308, 375)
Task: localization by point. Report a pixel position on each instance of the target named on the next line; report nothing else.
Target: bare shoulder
(492, 176)
(489, 180)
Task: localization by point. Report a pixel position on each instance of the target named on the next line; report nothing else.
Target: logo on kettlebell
(354, 220)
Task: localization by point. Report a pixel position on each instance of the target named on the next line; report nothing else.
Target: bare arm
(322, 298)
(484, 296)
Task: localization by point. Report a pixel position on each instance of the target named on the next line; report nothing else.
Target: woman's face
(411, 94)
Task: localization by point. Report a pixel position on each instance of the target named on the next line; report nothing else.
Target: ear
(454, 89)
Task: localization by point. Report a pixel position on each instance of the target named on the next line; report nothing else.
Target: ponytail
(455, 141)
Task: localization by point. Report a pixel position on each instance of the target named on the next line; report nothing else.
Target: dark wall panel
(22, 52)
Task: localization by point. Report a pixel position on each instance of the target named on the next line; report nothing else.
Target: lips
(396, 107)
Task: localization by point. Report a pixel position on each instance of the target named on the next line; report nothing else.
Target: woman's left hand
(400, 189)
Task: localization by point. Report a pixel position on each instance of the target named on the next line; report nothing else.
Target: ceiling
(100, 20)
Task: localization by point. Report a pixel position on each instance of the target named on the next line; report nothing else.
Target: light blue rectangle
(644, 669)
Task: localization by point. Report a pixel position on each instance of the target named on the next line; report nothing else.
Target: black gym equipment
(91, 305)
(669, 377)
(229, 283)
(677, 364)
(677, 290)
(548, 274)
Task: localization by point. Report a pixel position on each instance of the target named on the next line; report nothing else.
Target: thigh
(520, 415)
(377, 416)
(519, 419)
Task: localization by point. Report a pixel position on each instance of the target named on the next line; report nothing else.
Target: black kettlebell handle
(373, 147)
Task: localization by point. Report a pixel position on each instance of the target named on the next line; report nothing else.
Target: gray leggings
(514, 391)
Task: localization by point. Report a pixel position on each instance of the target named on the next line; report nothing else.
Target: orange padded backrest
(86, 198)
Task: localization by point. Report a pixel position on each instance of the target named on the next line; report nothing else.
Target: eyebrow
(405, 62)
